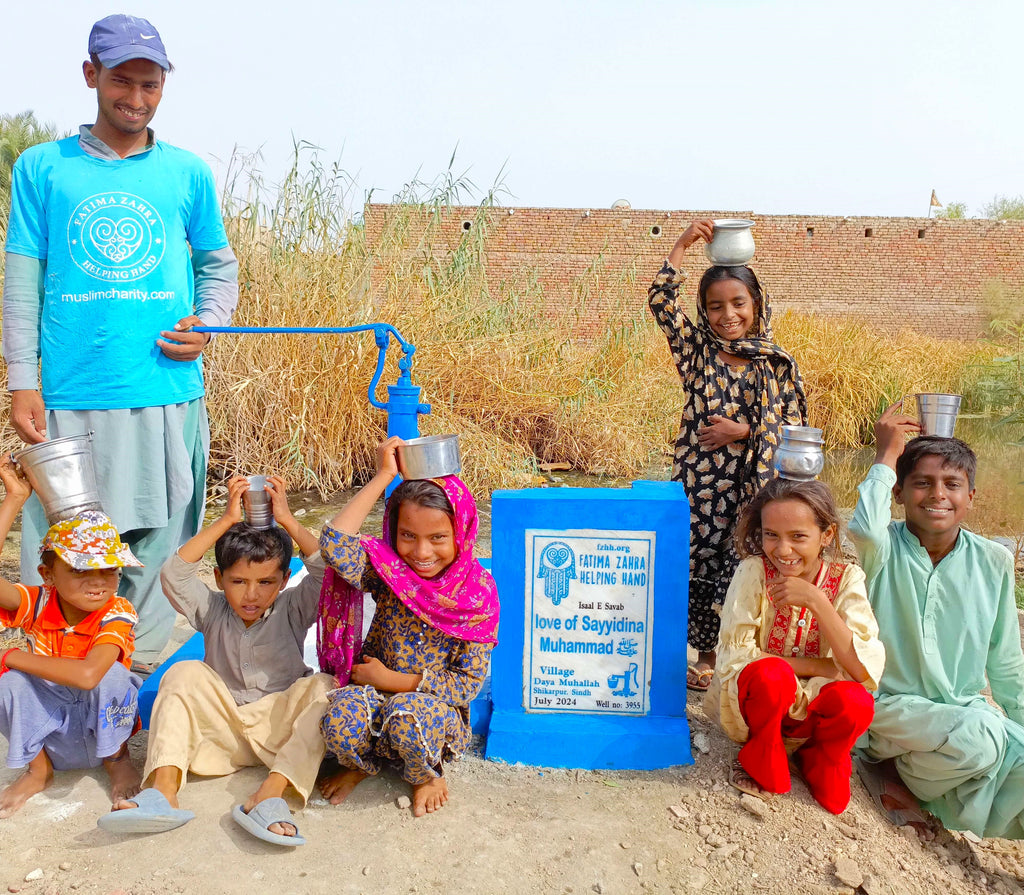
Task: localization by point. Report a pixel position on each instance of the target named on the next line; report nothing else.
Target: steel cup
(937, 413)
(256, 505)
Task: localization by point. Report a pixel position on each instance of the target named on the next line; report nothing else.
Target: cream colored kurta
(752, 628)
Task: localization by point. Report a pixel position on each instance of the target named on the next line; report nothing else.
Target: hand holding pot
(697, 230)
(891, 430)
(28, 415)
(15, 483)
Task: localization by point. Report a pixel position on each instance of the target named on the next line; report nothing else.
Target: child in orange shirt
(69, 700)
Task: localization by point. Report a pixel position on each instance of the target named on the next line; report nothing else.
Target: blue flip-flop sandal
(267, 812)
(154, 815)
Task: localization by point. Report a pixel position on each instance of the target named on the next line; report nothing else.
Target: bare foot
(429, 797)
(272, 788)
(124, 777)
(38, 775)
(338, 786)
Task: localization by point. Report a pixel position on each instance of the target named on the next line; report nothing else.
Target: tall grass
(519, 386)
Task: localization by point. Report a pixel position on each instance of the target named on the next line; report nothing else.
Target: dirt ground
(505, 829)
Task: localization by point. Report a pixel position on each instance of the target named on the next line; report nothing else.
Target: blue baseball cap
(118, 38)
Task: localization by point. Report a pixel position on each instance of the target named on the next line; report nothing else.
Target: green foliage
(17, 133)
(1004, 208)
(954, 211)
(1002, 379)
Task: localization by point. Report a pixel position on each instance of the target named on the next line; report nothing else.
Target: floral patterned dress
(765, 393)
(364, 727)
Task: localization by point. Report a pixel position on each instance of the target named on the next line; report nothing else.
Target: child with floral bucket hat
(67, 700)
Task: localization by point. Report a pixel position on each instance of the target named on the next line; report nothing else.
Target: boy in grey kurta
(253, 701)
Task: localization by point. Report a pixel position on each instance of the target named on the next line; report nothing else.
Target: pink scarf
(462, 601)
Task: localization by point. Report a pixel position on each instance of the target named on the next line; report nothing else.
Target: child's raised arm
(354, 513)
(194, 549)
(18, 491)
(891, 430)
(697, 230)
(309, 544)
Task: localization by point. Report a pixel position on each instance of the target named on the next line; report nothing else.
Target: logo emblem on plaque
(557, 566)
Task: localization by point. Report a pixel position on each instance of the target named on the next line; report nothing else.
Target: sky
(769, 106)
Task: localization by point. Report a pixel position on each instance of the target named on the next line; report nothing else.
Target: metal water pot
(800, 455)
(61, 473)
(732, 243)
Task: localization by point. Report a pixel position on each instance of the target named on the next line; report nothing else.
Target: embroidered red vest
(808, 637)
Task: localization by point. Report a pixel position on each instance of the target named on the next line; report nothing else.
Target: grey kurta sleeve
(216, 275)
(22, 313)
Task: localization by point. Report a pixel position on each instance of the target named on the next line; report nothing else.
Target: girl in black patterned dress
(740, 389)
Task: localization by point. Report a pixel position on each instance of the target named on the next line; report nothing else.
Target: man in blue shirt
(115, 249)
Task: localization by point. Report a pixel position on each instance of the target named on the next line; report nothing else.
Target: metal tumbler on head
(937, 413)
(429, 457)
(256, 503)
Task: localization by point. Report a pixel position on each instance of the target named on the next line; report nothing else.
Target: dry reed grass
(852, 372)
(519, 387)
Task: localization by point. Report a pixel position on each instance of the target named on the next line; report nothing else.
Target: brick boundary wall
(927, 274)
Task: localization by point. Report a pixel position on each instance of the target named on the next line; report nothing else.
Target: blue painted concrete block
(590, 669)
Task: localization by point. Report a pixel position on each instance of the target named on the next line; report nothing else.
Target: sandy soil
(505, 829)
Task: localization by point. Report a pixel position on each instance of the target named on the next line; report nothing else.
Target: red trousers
(841, 712)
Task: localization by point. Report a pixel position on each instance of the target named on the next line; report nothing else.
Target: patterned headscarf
(462, 601)
(772, 390)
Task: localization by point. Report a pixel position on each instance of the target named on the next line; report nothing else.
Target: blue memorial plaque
(590, 667)
(589, 621)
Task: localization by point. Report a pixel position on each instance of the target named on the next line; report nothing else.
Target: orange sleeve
(16, 618)
(118, 628)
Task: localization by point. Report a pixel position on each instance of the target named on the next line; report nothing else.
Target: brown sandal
(741, 780)
(699, 679)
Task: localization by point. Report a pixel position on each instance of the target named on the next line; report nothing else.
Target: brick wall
(926, 274)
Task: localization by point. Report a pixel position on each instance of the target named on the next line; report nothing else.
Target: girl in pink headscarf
(428, 648)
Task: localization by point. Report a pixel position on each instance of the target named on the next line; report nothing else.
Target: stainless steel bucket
(800, 455)
(62, 474)
(256, 505)
(937, 413)
(429, 457)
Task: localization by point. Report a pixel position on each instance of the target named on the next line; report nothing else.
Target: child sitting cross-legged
(69, 700)
(799, 647)
(428, 647)
(944, 598)
(253, 701)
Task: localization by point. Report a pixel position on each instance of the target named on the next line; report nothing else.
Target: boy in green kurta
(944, 600)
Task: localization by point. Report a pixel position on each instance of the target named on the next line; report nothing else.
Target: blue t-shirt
(115, 236)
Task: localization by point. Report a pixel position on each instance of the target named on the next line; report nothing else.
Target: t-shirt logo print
(116, 237)
(115, 241)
